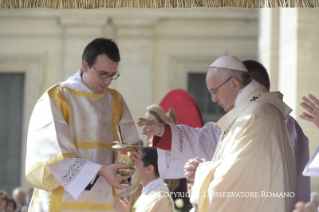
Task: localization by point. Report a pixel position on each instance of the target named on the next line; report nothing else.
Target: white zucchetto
(229, 62)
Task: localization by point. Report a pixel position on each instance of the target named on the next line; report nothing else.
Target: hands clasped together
(191, 166)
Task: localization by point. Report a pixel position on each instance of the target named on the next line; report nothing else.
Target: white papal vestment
(254, 154)
(70, 136)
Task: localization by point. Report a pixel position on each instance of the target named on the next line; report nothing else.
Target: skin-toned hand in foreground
(305, 207)
(312, 107)
(121, 205)
(151, 127)
(191, 166)
(110, 173)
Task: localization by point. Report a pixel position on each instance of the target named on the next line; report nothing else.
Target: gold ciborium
(123, 154)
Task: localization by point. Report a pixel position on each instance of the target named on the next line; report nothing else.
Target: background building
(161, 49)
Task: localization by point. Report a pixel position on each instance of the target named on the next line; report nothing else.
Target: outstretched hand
(151, 127)
(191, 166)
(312, 107)
(110, 175)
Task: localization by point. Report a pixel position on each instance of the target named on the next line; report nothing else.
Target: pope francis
(253, 168)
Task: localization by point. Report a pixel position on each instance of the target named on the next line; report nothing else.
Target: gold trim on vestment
(34, 200)
(52, 160)
(60, 101)
(93, 145)
(56, 198)
(85, 94)
(87, 206)
(117, 111)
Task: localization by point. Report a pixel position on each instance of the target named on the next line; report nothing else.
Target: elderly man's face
(226, 94)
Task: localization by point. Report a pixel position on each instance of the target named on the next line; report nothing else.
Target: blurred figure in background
(11, 206)
(29, 196)
(3, 200)
(20, 197)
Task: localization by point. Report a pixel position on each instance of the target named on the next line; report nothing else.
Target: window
(11, 120)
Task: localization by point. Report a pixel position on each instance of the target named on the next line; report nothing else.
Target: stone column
(307, 76)
(78, 31)
(298, 65)
(134, 37)
(288, 64)
(268, 42)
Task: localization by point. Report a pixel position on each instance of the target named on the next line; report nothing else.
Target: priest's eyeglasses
(104, 75)
(213, 92)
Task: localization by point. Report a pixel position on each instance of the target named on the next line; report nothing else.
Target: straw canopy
(96, 4)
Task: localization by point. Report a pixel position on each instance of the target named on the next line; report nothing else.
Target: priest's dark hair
(149, 157)
(258, 72)
(101, 46)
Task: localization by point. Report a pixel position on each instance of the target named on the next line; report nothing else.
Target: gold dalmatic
(70, 137)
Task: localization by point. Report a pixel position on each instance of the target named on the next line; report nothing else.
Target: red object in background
(186, 109)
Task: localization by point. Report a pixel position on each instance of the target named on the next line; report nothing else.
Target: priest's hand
(312, 107)
(306, 207)
(191, 166)
(109, 173)
(121, 205)
(151, 127)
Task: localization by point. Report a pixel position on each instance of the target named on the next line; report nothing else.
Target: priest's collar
(259, 94)
(245, 91)
(75, 82)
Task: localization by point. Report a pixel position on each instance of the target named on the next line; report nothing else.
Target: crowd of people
(18, 202)
(256, 148)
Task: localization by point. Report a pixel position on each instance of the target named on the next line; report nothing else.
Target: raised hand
(151, 127)
(312, 107)
(191, 166)
(109, 173)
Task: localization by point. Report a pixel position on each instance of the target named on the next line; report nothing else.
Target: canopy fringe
(95, 4)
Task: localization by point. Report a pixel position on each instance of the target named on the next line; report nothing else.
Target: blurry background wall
(161, 49)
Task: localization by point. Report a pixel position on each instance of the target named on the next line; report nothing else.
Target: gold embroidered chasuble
(70, 136)
(254, 159)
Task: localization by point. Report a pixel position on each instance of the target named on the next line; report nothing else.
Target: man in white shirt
(155, 195)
